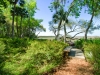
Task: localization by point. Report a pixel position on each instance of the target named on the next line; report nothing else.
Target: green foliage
(2, 47)
(40, 56)
(16, 45)
(2, 57)
(46, 55)
(79, 43)
(31, 6)
(19, 20)
(3, 3)
(92, 52)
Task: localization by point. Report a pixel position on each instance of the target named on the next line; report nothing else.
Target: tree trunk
(59, 25)
(13, 16)
(65, 33)
(21, 28)
(29, 26)
(89, 25)
(17, 26)
(7, 30)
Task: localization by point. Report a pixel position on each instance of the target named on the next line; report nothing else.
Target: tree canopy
(74, 8)
(19, 21)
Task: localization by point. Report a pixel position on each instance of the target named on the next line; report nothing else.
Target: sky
(44, 13)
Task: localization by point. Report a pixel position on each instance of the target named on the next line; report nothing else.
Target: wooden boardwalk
(77, 53)
(74, 52)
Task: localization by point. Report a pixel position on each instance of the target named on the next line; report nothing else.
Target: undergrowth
(29, 57)
(91, 49)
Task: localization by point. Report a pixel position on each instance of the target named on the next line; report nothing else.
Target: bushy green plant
(40, 57)
(79, 43)
(17, 42)
(2, 56)
(2, 47)
(16, 45)
(92, 53)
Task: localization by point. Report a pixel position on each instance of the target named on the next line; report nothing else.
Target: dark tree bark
(13, 16)
(17, 26)
(21, 28)
(89, 25)
(29, 27)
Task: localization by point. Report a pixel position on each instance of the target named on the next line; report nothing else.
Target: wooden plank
(67, 49)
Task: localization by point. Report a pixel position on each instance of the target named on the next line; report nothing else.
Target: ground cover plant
(32, 57)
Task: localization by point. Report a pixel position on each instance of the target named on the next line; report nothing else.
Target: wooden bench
(66, 51)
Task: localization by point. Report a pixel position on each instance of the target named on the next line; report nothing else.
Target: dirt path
(75, 66)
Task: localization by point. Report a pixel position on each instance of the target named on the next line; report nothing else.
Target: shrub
(16, 45)
(92, 53)
(2, 47)
(41, 56)
(79, 43)
(2, 56)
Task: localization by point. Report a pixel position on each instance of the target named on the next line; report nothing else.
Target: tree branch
(76, 34)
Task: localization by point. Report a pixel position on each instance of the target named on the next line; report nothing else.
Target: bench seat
(67, 49)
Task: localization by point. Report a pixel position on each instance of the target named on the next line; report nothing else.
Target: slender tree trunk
(89, 25)
(65, 33)
(29, 26)
(8, 30)
(67, 14)
(13, 16)
(17, 26)
(21, 28)
(13, 26)
(59, 25)
(24, 31)
(61, 20)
